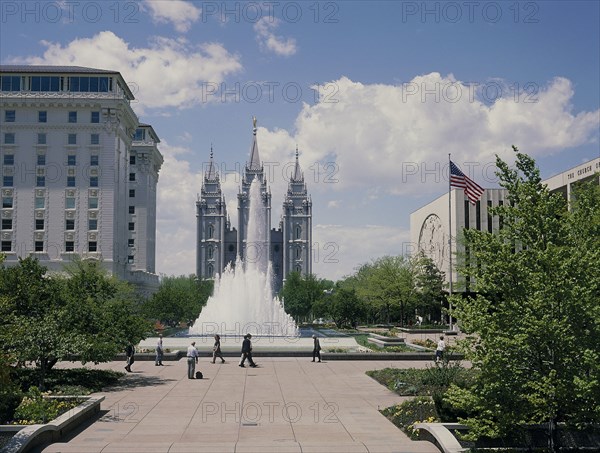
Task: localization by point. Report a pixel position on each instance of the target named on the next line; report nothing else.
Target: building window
(7, 224)
(130, 242)
(210, 270)
(10, 83)
(298, 268)
(211, 231)
(42, 116)
(92, 224)
(131, 193)
(39, 224)
(131, 209)
(95, 139)
(298, 252)
(41, 159)
(39, 246)
(88, 84)
(129, 259)
(70, 203)
(69, 246)
(467, 213)
(93, 203)
(131, 226)
(72, 139)
(45, 83)
(231, 248)
(40, 202)
(298, 232)
(7, 202)
(92, 246)
(70, 181)
(478, 215)
(40, 181)
(210, 253)
(93, 181)
(7, 181)
(41, 138)
(95, 117)
(94, 160)
(131, 177)
(9, 138)
(70, 224)
(10, 116)
(9, 159)
(489, 216)
(72, 117)
(140, 135)
(131, 160)
(71, 159)
(6, 246)
(276, 248)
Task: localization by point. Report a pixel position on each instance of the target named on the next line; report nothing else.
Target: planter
(30, 436)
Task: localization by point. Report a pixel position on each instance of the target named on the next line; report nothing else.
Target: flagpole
(450, 236)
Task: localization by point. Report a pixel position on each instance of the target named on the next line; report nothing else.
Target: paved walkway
(287, 405)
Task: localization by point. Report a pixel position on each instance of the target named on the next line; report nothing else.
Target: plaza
(285, 405)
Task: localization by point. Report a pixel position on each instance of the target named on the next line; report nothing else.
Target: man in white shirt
(192, 359)
(439, 352)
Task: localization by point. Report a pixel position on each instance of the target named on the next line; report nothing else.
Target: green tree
(178, 299)
(534, 317)
(429, 281)
(51, 317)
(346, 307)
(388, 286)
(301, 294)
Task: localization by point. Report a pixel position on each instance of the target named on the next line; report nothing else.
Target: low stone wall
(30, 436)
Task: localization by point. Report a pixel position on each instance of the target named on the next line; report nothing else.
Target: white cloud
(383, 139)
(378, 144)
(269, 41)
(180, 13)
(167, 73)
(176, 213)
(338, 249)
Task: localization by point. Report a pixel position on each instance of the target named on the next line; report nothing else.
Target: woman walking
(217, 350)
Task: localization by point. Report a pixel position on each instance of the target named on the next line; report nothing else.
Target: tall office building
(79, 171)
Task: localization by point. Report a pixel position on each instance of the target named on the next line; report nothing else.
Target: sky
(374, 94)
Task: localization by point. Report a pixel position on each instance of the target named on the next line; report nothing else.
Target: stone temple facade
(218, 243)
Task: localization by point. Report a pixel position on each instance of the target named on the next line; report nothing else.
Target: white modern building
(430, 225)
(79, 171)
(218, 243)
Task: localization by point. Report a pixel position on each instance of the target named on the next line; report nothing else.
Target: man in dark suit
(247, 351)
(130, 356)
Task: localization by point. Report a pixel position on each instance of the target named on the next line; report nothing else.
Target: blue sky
(375, 95)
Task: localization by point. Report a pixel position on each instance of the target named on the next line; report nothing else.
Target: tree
(346, 307)
(50, 317)
(429, 281)
(534, 317)
(301, 294)
(388, 286)
(178, 299)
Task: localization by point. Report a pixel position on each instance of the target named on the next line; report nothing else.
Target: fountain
(242, 300)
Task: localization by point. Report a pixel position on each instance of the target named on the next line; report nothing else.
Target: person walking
(159, 351)
(316, 348)
(217, 350)
(441, 347)
(247, 351)
(192, 359)
(129, 356)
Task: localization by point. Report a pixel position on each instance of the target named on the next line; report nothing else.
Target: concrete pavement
(286, 405)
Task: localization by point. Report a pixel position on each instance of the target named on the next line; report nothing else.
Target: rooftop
(53, 69)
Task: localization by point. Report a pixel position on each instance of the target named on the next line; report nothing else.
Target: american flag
(459, 179)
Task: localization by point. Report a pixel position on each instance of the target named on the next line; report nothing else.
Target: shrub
(9, 401)
(34, 408)
(408, 413)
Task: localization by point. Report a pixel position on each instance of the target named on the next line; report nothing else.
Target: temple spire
(297, 176)
(211, 171)
(254, 163)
